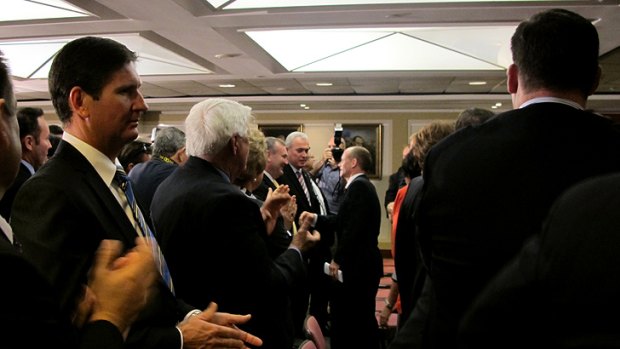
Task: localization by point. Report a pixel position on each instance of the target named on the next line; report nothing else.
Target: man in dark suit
(561, 291)
(168, 154)
(309, 198)
(277, 159)
(25, 291)
(73, 202)
(34, 134)
(357, 255)
(487, 189)
(211, 232)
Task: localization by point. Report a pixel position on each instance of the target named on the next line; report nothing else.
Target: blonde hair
(428, 136)
(257, 158)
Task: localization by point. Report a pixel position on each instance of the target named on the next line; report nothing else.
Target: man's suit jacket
(357, 226)
(28, 304)
(488, 188)
(279, 240)
(7, 200)
(212, 235)
(290, 178)
(145, 178)
(561, 290)
(60, 216)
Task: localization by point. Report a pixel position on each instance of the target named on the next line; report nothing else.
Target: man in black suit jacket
(168, 154)
(34, 134)
(487, 189)
(357, 255)
(73, 202)
(561, 291)
(28, 301)
(211, 232)
(277, 159)
(317, 287)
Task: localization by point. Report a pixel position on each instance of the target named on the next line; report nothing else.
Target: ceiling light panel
(32, 59)
(388, 49)
(21, 10)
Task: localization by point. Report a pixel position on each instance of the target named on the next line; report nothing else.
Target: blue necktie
(145, 231)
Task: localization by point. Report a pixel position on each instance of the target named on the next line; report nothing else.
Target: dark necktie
(144, 230)
(302, 182)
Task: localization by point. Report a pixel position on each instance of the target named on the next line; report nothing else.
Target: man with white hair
(211, 231)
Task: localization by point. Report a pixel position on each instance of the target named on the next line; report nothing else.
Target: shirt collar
(102, 164)
(6, 229)
(551, 100)
(28, 166)
(269, 176)
(351, 179)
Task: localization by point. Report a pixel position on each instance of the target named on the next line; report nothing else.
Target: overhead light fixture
(227, 85)
(493, 107)
(302, 105)
(226, 55)
(306, 107)
(498, 104)
(477, 83)
(324, 84)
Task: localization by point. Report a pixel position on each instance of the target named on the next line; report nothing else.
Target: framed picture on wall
(368, 136)
(280, 130)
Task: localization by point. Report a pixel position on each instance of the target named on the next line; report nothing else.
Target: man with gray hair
(168, 154)
(212, 233)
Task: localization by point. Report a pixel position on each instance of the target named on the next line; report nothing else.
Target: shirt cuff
(180, 334)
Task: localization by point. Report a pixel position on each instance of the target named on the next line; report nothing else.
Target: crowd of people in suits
(503, 233)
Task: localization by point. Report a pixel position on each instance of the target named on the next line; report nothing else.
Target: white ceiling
(216, 41)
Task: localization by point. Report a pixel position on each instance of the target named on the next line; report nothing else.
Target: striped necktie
(144, 230)
(302, 182)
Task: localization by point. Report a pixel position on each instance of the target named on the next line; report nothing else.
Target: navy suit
(60, 216)
(488, 188)
(213, 237)
(145, 178)
(357, 227)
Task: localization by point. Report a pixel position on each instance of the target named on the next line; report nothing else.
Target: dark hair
(411, 167)
(28, 119)
(472, 117)
(558, 50)
(132, 153)
(56, 130)
(6, 87)
(87, 62)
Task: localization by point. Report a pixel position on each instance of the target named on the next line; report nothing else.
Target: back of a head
(6, 87)
(133, 153)
(168, 141)
(88, 62)
(428, 136)
(211, 124)
(472, 117)
(271, 142)
(557, 50)
(56, 130)
(28, 122)
(257, 158)
(364, 159)
(292, 136)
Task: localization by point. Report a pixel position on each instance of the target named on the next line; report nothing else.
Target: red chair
(314, 333)
(307, 344)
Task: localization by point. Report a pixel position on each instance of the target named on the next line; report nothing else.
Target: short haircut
(472, 116)
(410, 166)
(257, 160)
(428, 136)
(557, 50)
(56, 130)
(291, 137)
(28, 119)
(6, 87)
(132, 153)
(271, 143)
(168, 141)
(88, 62)
(213, 122)
(363, 157)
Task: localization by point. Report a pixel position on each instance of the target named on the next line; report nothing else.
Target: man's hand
(288, 212)
(121, 285)
(210, 330)
(305, 239)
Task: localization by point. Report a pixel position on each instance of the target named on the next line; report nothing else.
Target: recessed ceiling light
(498, 104)
(306, 108)
(324, 84)
(226, 55)
(493, 107)
(302, 105)
(477, 83)
(228, 85)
